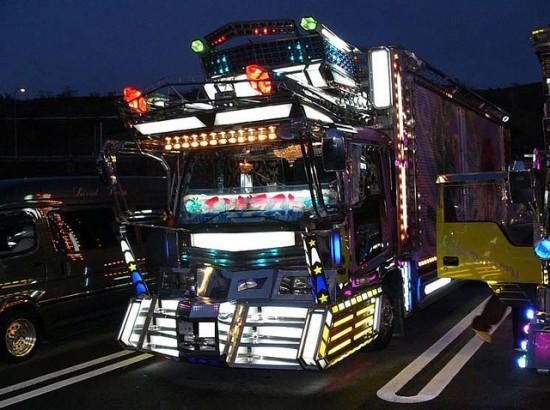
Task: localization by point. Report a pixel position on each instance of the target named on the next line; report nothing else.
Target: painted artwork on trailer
(285, 206)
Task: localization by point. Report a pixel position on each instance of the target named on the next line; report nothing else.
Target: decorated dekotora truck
(300, 226)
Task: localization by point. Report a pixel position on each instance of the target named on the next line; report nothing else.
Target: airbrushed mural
(282, 205)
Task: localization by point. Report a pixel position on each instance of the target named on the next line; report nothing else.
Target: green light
(309, 23)
(198, 46)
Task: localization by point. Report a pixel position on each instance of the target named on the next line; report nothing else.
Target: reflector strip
(339, 347)
(343, 320)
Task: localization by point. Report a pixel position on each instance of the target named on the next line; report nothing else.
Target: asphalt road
(436, 365)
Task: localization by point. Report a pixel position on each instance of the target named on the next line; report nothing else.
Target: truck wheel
(387, 319)
(18, 336)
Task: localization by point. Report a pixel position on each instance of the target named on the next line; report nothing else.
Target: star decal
(318, 270)
(323, 298)
(312, 243)
(132, 266)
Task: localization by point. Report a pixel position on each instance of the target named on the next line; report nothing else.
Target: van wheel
(387, 319)
(18, 336)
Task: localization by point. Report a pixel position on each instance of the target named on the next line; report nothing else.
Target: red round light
(135, 100)
(258, 78)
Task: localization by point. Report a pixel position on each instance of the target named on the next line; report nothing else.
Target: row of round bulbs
(240, 136)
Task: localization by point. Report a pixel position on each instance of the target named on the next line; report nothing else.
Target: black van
(60, 260)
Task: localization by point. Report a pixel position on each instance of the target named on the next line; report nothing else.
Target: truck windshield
(264, 181)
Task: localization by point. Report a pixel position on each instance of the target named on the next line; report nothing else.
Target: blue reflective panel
(542, 249)
(321, 284)
(141, 289)
(136, 277)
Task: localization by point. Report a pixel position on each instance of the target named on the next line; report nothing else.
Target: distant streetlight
(20, 90)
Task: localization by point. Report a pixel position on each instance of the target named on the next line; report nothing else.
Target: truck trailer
(301, 222)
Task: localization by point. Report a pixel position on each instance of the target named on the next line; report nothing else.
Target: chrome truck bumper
(246, 334)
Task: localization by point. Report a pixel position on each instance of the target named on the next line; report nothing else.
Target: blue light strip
(336, 247)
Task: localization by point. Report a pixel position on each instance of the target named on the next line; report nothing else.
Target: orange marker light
(258, 78)
(135, 100)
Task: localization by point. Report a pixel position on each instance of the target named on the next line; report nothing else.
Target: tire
(387, 320)
(18, 336)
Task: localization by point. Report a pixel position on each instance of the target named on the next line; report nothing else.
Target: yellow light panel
(213, 139)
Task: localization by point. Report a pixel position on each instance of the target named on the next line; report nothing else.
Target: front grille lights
(202, 140)
(197, 336)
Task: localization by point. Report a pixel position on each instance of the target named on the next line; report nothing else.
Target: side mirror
(521, 187)
(334, 154)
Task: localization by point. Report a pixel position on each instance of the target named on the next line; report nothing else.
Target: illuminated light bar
(339, 346)
(369, 319)
(254, 28)
(342, 333)
(427, 261)
(221, 138)
(314, 114)
(128, 324)
(335, 40)
(367, 309)
(243, 88)
(380, 68)
(253, 114)
(343, 320)
(435, 285)
(362, 333)
(245, 241)
(343, 79)
(177, 124)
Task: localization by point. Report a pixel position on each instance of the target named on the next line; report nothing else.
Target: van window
(17, 232)
(92, 228)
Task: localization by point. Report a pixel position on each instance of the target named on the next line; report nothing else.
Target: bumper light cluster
(243, 335)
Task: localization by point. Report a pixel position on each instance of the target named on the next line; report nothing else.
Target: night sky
(104, 45)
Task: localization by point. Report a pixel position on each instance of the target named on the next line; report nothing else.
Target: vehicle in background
(537, 351)
(302, 213)
(60, 259)
(485, 233)
(489, 224)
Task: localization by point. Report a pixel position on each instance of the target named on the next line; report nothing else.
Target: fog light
(523, 345)
(522, 362)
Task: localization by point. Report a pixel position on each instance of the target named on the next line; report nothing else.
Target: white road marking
(72, 380)
(451, 369)
(389, 391)
(62, 372)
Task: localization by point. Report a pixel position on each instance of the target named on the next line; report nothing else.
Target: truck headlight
(294, 285)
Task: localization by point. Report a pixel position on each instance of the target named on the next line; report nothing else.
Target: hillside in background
(63, 135)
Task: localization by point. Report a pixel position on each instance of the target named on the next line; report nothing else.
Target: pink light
(526, 328)
(348, 292)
